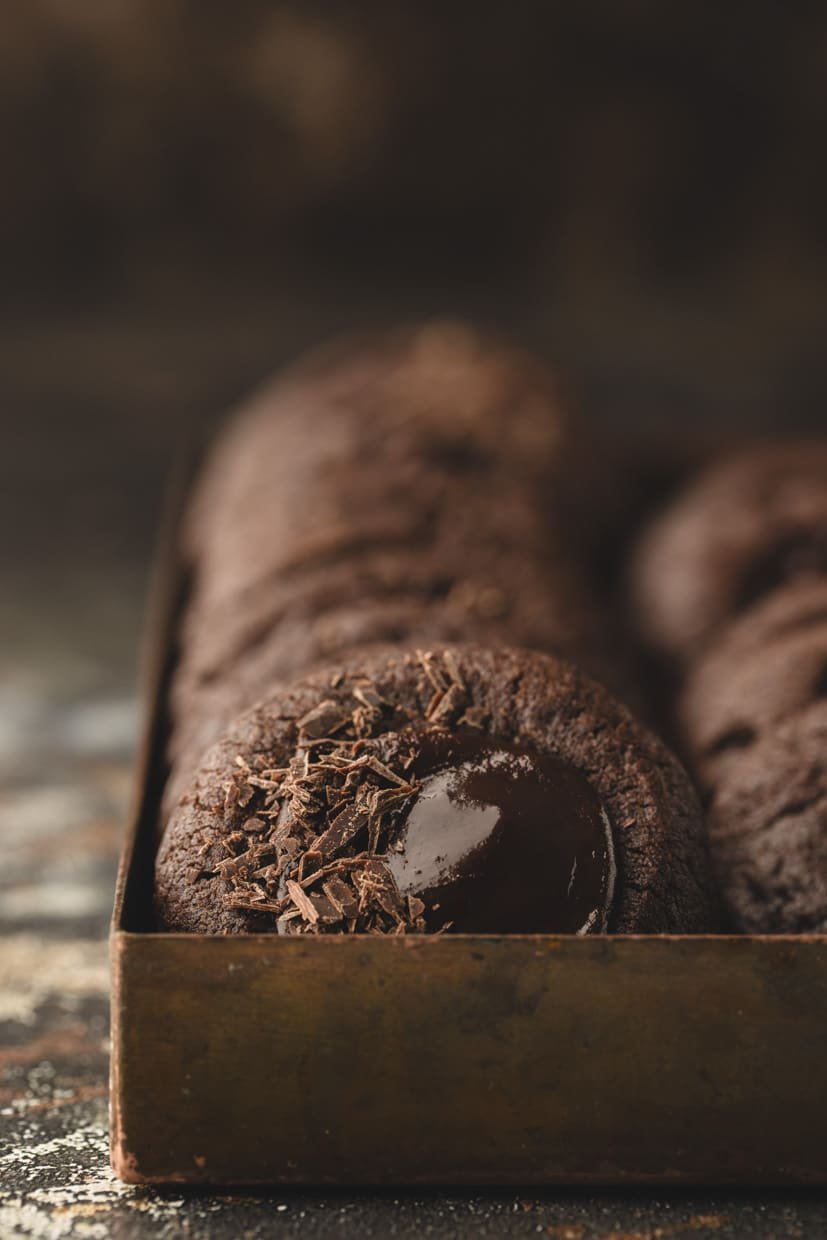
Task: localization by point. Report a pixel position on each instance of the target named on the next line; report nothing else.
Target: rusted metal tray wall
(458, 1059)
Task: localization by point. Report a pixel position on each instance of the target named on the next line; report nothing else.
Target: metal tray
(456, 1059)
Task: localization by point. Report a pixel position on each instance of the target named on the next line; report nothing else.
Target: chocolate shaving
(369, 698)
(245, 862)
(453, 670)
(324, 720)
(449, 695)
(375, 884)
(344, 827)
(341, 896)
(329, 913)
(250, 904)
(308, 863)
(434, 674)
(302, 902)
(254, 826)
(447, 706)
(312, 847)
(384, 772)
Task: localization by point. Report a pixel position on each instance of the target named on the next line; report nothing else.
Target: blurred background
(194, 190)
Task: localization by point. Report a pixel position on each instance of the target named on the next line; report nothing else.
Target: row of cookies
(383, 717)
(413, 483)
(730, 583)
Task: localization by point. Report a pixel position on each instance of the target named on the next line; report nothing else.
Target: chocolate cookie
(407, 438)
(460, 789)
(768, 830)
(416, 488)
(765, 668)
(746, 526)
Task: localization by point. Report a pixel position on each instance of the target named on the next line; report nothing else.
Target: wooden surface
(89, 406)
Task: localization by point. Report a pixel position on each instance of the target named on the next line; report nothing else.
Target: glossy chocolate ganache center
(501, 840)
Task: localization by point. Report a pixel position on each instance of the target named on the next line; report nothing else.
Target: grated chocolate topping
(313, 851)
